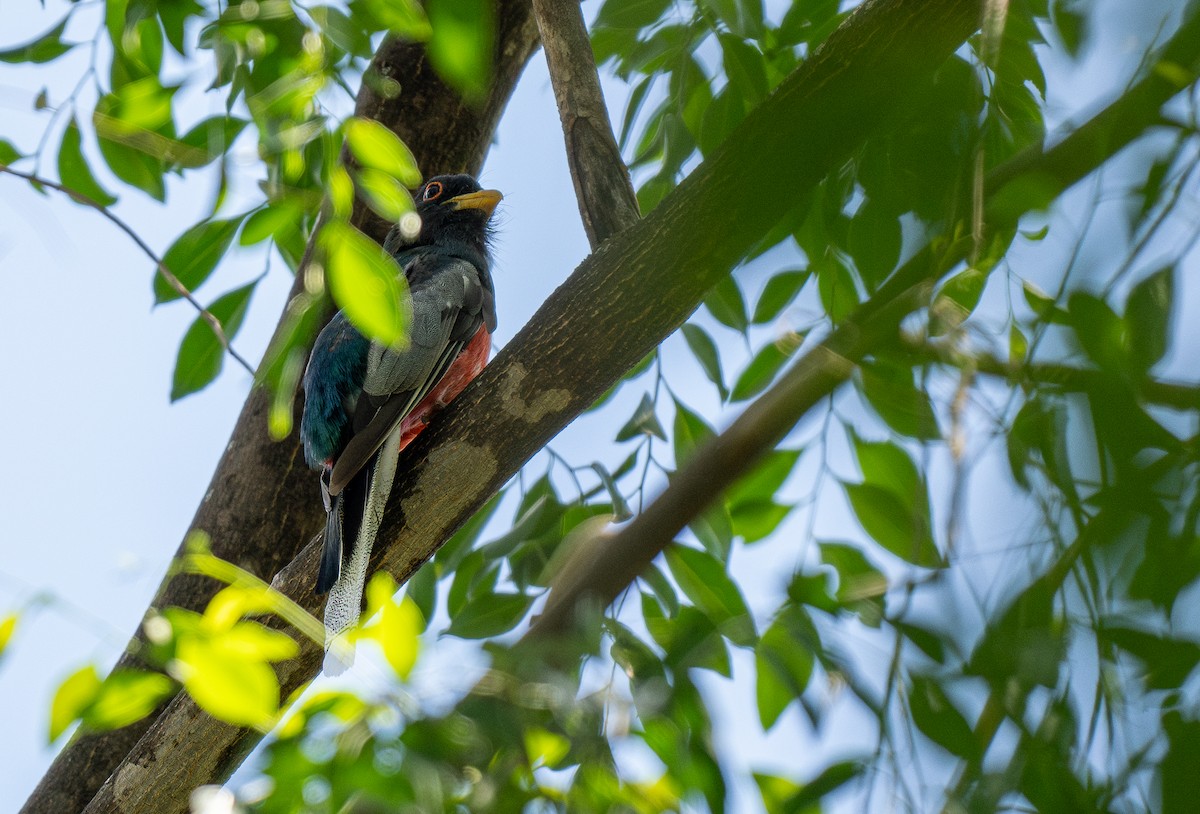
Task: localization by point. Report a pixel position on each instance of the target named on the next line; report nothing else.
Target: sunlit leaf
(366, 283)
(384, 194)
(377, 147)
(8, 626)
(236, 687)
(127, 696)
(73, 696)
(461, 44)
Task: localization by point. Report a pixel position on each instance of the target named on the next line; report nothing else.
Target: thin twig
(171, 279)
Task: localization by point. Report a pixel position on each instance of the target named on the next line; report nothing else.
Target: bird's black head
(454, 212)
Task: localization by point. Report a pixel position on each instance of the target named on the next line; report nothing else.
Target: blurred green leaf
(706, 353)
(1148, 316)
(743, 17)
(938, 719)
(208, 140)
(955, 301)
(1100, 331)
(384, 194)
(1168, 662)
(765, 365)
(874, 242)
(705, 582)
(783, 664)
(890, 391)
(377, 147)
(405, 18)
(8, 626)
(1180, 781)
(630, 13)
(194, 255)
(778, 294)
(462, 42)
(745, 67)
(489, 615)
(836, 286)
(725, 303)
(74, 170)
(755, 520)
(893, 524)
(73, 696)
(227, 682)
(690, 432)
(8, 153)
(644, 421)
(127, 696)
(366, 283)
(398, 627)
(201, 355)
(45, 48)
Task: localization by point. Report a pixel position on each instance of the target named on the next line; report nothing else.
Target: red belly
(465, 367)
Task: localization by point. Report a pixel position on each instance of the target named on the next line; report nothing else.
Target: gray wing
(447, 310)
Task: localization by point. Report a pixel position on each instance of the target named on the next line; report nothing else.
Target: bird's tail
(354, 514)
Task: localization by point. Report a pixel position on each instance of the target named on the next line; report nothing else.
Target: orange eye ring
(433, 191)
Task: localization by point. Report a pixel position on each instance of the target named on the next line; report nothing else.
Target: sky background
(103, 474)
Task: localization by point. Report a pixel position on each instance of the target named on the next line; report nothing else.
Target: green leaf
(743, 17)
(451, 554)
(1168, 662)
(366, 283)
(621, 509)
(778, 294)
(874, 242)
(384, 194)
(690, 432)
(755, 520)
(208, 140)
(201, 355)
(405, 18)
(377, 147)
(225, 681)
(127, 696)
(644, 421)
(1148, 316)
(783, 663)
(461, 44)
(45, 48)
(955, 301)
(705, 351)
(765, 479)
(762, 369)
(890, 391)
(1043, 305)
(72, 698)
(8, 626)
(8, 153)
(1180, 781)
(1100, 331)
(194, 255)
(725, 303)
(399, 626)
(74, 171)
(705, 582)
(630, 13)
(746, 68)
(893, 524)
(836, 286)
(489, 614)
(422, 589)
(938, 719)
(861, 586)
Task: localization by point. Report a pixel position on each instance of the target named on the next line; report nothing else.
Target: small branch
(171, 279)
(603, 188)
(1077, 379)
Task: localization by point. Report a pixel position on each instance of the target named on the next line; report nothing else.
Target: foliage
(1064, 685)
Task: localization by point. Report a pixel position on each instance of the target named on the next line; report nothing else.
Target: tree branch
(622, 301)
(603, 188)
(171, 279)
(262, 504)
(1176, 395)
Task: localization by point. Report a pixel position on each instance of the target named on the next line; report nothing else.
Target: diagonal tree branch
(603, 188)
(622, 301)
(261, 506)
(604, 572)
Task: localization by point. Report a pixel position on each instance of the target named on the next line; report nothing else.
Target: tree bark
(262, 504)
(617, 306)
(603, 188)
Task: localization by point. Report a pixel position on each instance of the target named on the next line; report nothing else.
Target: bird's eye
(433, 191)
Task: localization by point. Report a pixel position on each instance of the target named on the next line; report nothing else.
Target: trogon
(364, 402)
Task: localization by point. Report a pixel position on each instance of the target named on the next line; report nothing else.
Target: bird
(365, 401)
